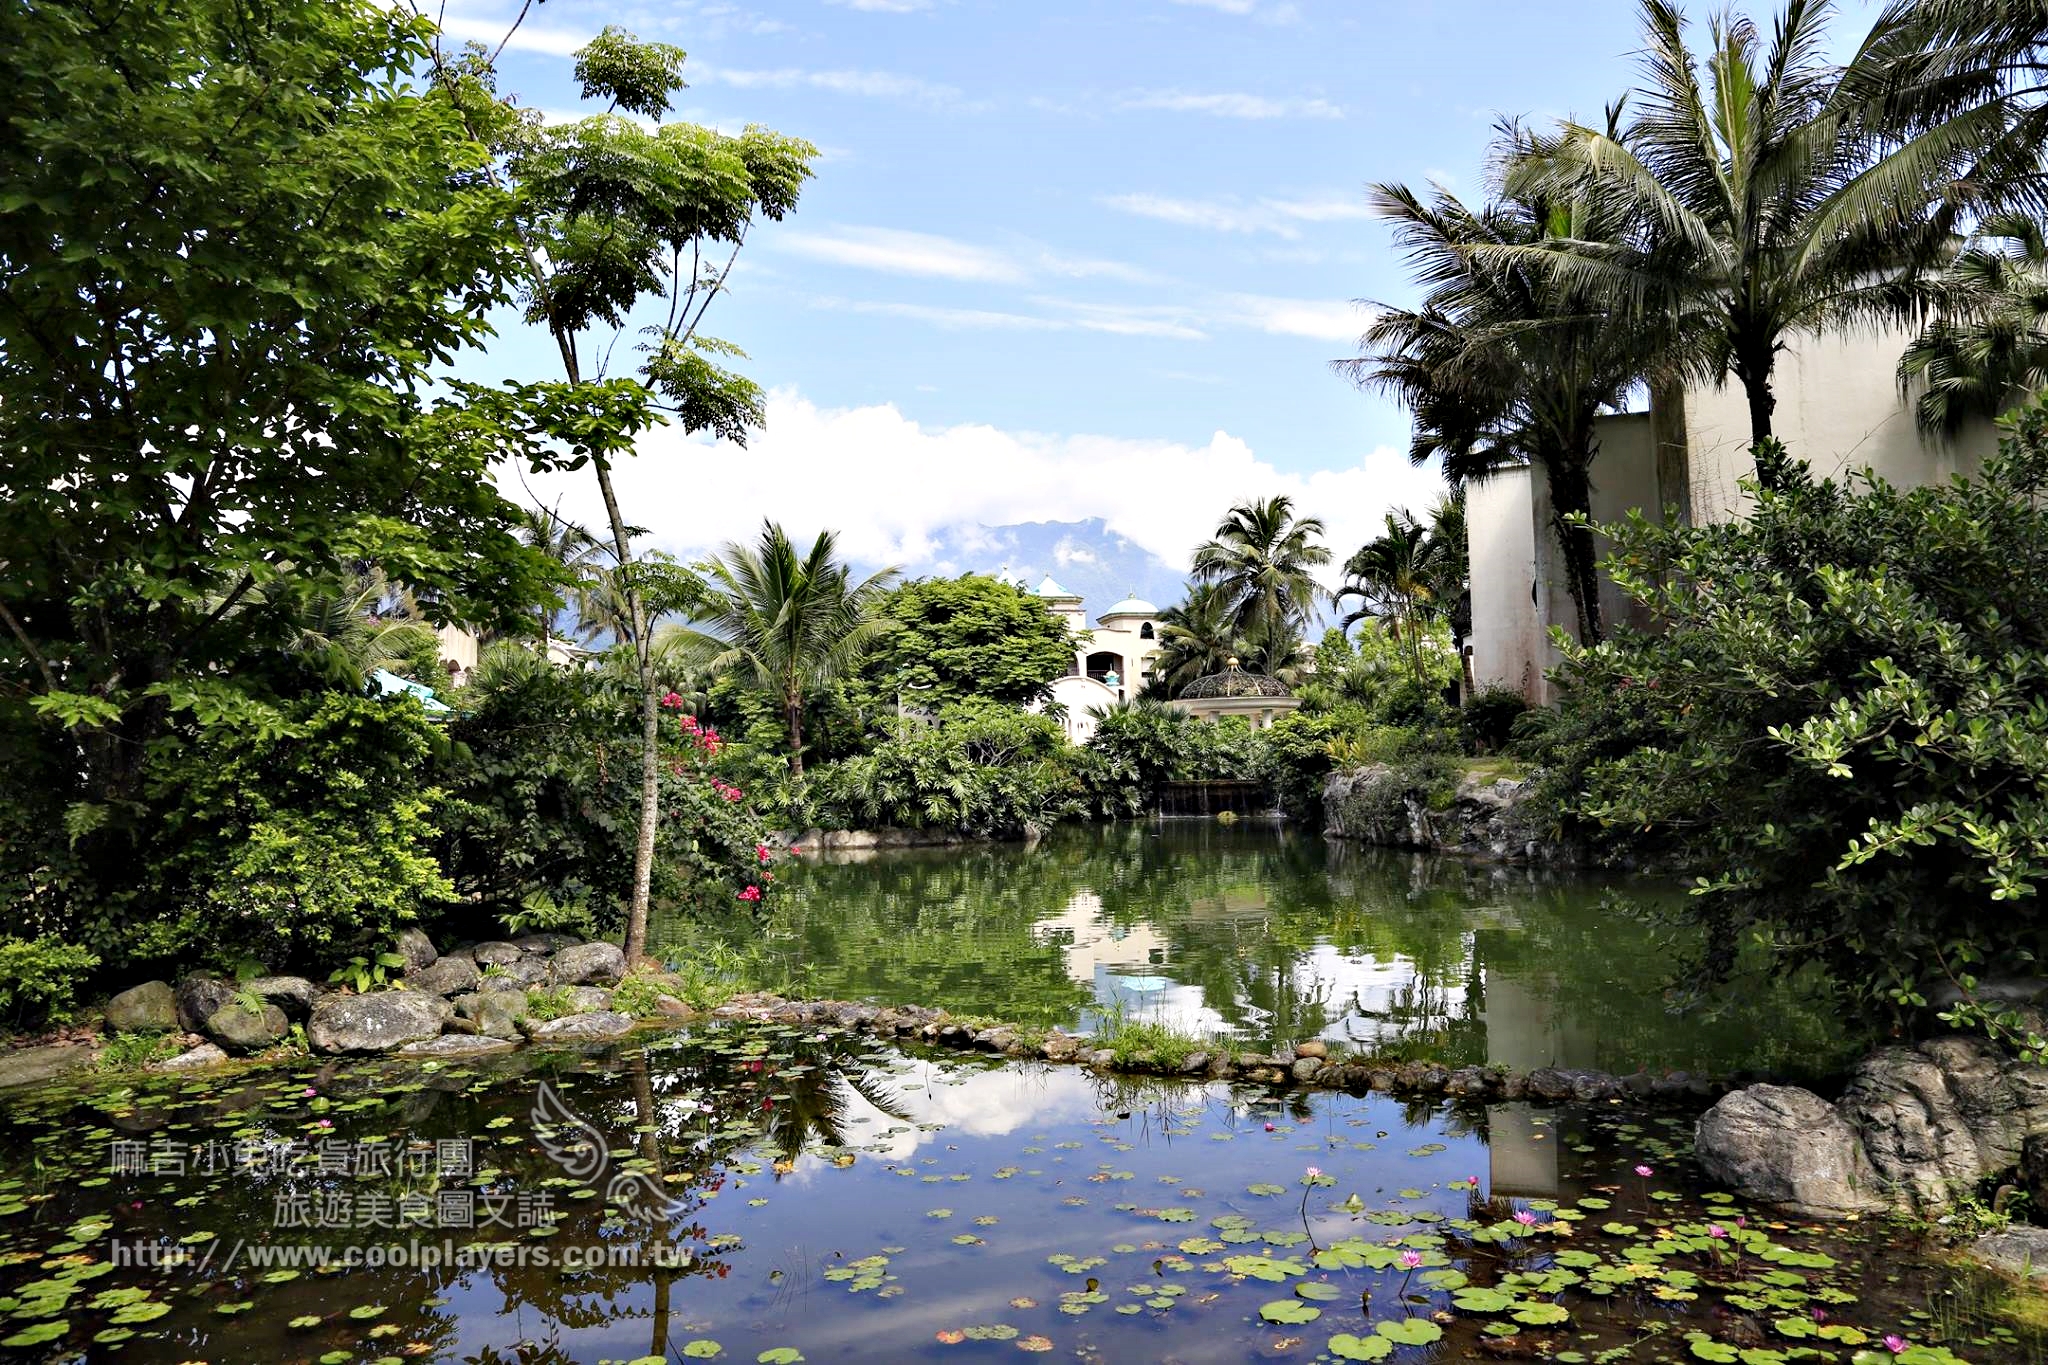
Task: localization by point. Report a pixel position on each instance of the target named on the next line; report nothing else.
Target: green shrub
(1844, 722)
(638, 996)
(1488, 718)
(544, 1003)
(983, 770)
(39, 979)
(133, 1051)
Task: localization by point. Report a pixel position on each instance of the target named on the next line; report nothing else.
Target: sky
(1066, 258)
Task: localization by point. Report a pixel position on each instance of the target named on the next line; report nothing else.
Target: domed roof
(1051, 589)
(1130, 606)
(1234, 682)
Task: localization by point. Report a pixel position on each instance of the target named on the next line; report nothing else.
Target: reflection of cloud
(1088, 942)
(975, 1103)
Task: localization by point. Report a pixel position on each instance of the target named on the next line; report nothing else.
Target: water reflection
(1265, 936)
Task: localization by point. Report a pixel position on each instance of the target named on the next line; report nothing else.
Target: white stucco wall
(1838, 408)
(1082, 698)
(1506, 637)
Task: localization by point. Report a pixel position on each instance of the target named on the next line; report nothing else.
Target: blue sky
(1071, 259)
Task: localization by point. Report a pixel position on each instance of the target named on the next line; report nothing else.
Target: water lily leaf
(1707, 1349)
(1345, 1346)
(1539, 1313)
(1266, 1188)
(1290, 1311)
(1478, 1300)
(780, 1355)
(1409, 1331)
(1318, 1291)
(38, 1334)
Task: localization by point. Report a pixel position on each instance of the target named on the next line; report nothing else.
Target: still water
(1268, 936)
(774, 1194)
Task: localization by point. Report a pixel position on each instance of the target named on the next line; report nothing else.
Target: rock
(522, 971)
(1197, 1064)
(544, 945)
(588, 999)
(206, 1054)
(1059, 1047)
(2019, 1250)
(494, 954)
(497, 1013)
(2033, 1172)
(1940, 1117)
(416, 948)
(584, 1028)
(457, 1045)
(668, 1007)
(448, 976)
(28, 1065)
(151, 1007)
(1783, 1145)
(1314, 1047)
(199, 995)
(459, 1024)
(1306, 1068)
(588, 964)
(377, 1022)
(292, 994)
(240, 1029)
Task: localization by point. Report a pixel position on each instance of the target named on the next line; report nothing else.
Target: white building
(1838, 409)
(1112, 662)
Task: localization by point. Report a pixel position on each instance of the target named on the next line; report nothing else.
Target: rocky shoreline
(1483, 816)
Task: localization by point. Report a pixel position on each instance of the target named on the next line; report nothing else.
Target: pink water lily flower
(1315, 1172)
(1716, 1230)
(1895, 1343)
(1410, 1259)
(1645, 1172)
(1525, 1218)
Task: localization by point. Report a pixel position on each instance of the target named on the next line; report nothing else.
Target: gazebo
(1234, 692)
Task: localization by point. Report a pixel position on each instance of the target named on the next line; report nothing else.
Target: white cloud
(885, 6)
(1230, 105)
(950, 319)
(1277, 216)
(1319, 319)
(1285, 13)
(872, 84)
(552, 42)
(898, 252)
(894, 487)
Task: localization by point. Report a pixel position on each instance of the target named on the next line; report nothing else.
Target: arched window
(1145, 631)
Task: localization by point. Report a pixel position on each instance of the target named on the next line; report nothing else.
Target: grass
(133, 1051)
(1128, 1038)
(638, 996)
(549, 1002)
(1494, 767)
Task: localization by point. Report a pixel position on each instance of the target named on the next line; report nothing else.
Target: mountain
(1085, 557)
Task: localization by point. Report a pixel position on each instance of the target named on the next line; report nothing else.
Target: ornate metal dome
(1234, 682)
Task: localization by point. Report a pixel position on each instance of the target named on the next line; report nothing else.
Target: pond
(773, 1194)
(1263, 934)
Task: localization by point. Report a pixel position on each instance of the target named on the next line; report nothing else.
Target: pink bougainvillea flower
(671, 700)
(752, 893)
(763, 852)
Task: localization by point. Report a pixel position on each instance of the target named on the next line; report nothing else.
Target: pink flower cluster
(726, 790)
(764, 853)
(752, 893)
(705, 737)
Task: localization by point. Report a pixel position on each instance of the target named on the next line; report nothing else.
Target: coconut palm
(348, 629)
(1508, 361)
(1263, 558)
(791, 622)
(1196, 637)
(1987, 347)
(1962, 85)
(1398, 577)
(568, 546)
(1762, 206)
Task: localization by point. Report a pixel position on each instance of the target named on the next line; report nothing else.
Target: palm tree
(567, 546)
(1262, 558)
(1987, 347)
(1397, 577)
(1507, 361)
(1196, 637)
(348, 629)
(1762, 205)
(792, 622)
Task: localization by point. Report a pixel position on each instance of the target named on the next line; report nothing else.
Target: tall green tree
(1507, 361)
(1762, 208)
(617, 210)
(235, 247)
(966, 637)
(1986, 349)
(788, 621)
(1263, 557)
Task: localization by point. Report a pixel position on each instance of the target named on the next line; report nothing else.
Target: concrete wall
(1838, 409)
(1507, 635)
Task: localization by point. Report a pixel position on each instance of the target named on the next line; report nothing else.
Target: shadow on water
(1261, 934)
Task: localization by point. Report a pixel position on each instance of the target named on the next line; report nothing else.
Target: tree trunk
(1754, 370)
(1571, 492)
(793, 711)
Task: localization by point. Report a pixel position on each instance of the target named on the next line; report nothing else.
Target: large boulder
(543, 944)
(151, 1007)
(524, 970)
(199, 995)
(28, 1065)
(416, 948)
(494, 954)
(584, 1028)
(1783, 1145)
(457, 1045)
(240, 1029)
(496, 1013)
(588, 964)
(292, 994)
(1938, 1118)
(374, 1023)
(2019, 1251)
(448, 976)
(205, 1055)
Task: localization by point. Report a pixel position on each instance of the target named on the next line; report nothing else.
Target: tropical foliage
(1263, 558)
(956, 639)
(1843, 718)
(1987, 347)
